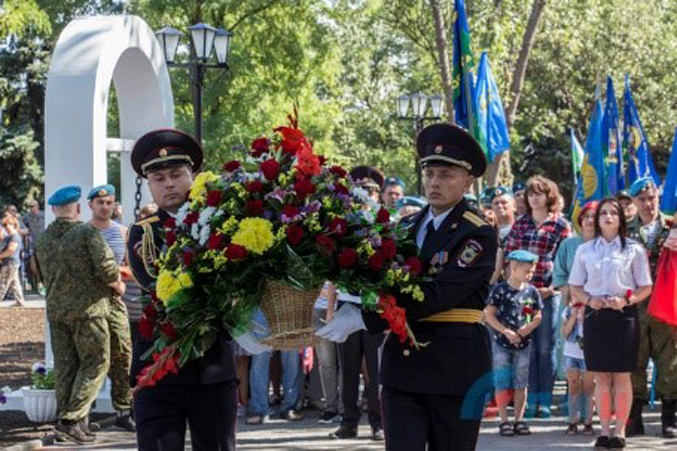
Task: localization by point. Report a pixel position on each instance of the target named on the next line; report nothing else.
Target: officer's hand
(616, 303)
(596, 303)
(512, 336)
(347, 320)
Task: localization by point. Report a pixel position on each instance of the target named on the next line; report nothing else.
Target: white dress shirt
(437, 222)
(604, 269)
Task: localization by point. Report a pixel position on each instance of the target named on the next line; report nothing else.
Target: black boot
(635, 425)
(668, 425)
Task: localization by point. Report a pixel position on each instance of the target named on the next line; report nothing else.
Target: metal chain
(137, 198)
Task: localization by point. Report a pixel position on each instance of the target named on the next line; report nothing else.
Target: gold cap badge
(438, 149)
(103, 192)
(163, 152)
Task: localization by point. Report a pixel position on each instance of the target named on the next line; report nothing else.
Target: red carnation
(169, 330)
(389, 249)
(307, 163)
(326, 244)
(255, 186)
(383, 216)
(340, 188)
(254, 207)
(236, 252)
(214, 198)
(292, 139)
(170, 223)
(338, 226)
(188, 257)
(291, 211)
(294, 234)
(414, 265)
(146, 328)
(214, 242)
(259, 146)
(231, 166)
(170, 237)
(304, 187)
(270, 169)
(376, 261)
(347, 258)
(149, 311)
(338, 171)
(191, 218)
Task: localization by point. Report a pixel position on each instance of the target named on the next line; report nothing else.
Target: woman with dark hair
(540, 231)
(611, 276)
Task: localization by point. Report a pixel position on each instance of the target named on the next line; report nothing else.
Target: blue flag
(635, 144)
(493, 129)
(462, 73)
(669, 198)
(611, 143)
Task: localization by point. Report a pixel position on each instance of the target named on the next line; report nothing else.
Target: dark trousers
(211, 412)
(358, 344)
(414, 420)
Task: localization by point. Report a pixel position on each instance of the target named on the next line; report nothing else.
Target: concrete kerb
(39, 443)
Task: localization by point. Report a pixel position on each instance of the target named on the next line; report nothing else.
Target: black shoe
(377, 434)
(291, 415)
(602, 442)
(616, 443)
(635, 426)
(329, 418)
(73, 433)
(125, 421)
(668, 423)
(344, 432)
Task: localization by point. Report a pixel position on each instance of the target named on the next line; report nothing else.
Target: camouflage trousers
(10, 282)
(81, 356)
(120, 355)
(657, 341)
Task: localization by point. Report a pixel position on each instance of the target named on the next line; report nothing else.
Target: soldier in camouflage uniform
(79, 273)
(650, 228)
(102, 203)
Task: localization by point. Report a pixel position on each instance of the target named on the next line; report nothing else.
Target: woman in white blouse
(611, 275)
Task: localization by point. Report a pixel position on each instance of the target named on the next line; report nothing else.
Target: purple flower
(39, 368)
(3, 398)
(314, 206)
(268, 214)
(375, 241)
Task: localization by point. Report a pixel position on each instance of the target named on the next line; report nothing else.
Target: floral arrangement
(282, 214)
(42, 377)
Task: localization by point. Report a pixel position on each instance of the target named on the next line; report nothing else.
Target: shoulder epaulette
(148, 220)
(472, 217)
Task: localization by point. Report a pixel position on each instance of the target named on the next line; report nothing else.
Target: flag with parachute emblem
(611, 143)
(635, 144)
(669, 197)
(491, 123)
(463, 72)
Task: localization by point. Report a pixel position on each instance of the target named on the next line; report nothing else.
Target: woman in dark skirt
(611, 276)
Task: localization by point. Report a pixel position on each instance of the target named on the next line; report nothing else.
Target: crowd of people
(563, 298)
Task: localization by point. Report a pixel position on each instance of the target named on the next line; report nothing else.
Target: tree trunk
(442, 50)
(500, 168)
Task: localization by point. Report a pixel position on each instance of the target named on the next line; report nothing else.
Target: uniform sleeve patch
(470, 254)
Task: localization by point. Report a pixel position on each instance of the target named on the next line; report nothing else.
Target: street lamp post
(204, 40)
(419, 107)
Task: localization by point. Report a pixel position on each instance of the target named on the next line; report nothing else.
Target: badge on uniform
(436, 263)
(470, 254)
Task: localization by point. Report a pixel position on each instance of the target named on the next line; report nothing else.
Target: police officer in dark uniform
(203, 393)
(433, 397)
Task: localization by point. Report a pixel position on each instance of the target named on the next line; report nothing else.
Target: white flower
(5, 390)
(205, 215)
(181, 214)
(204, 234)
(363, 196)
(369, 216)
(195, 231)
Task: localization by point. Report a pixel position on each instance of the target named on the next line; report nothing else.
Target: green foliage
(42, 378)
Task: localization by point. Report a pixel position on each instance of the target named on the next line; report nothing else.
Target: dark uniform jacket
(218, 364)
(461, 260)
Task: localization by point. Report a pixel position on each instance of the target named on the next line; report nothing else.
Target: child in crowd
(581, 382)
(514, 312)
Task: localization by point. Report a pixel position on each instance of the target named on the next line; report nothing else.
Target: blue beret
(522, 256)
(410, 201)
(518, 186)
(65, 195)
(501, 191)
(395, 181)
(640, 185)
(101, 191)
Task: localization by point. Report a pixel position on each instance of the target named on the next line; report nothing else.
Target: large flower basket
(288, 312)
(39, 405)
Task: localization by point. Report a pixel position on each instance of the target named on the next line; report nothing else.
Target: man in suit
(433, 396)
(204, 392)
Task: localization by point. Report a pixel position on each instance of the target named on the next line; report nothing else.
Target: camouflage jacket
(636, 232)
(76, 266)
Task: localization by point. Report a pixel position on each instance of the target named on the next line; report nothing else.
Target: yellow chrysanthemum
(199, 187)
(255, 235)
(168, 284)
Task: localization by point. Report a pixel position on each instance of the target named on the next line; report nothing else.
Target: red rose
(170, 237)
(254, 207)
(270, 169)
(149, 311)
(170, 223)
(235, 252)
(169, 330)
(254, 186)
(146, 328)
(338, 171)
(338, 226)
(259, 146)
(290, 211)
(191, 218)
(340, 188)
(389, 249)
(304, 187)
(231, 166)
(326, 244)
(294, 234)
(214, 242)
(323, 159)
(414, 265)
(376, 261)
(188, 258)
(214, 198)
(383, 216)
(347, 258)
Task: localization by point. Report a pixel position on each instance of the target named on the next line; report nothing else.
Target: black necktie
(428, 240)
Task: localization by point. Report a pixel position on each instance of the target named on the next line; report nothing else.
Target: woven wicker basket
(289, 314)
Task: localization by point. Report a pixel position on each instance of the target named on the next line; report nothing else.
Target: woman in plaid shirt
(540, 231)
